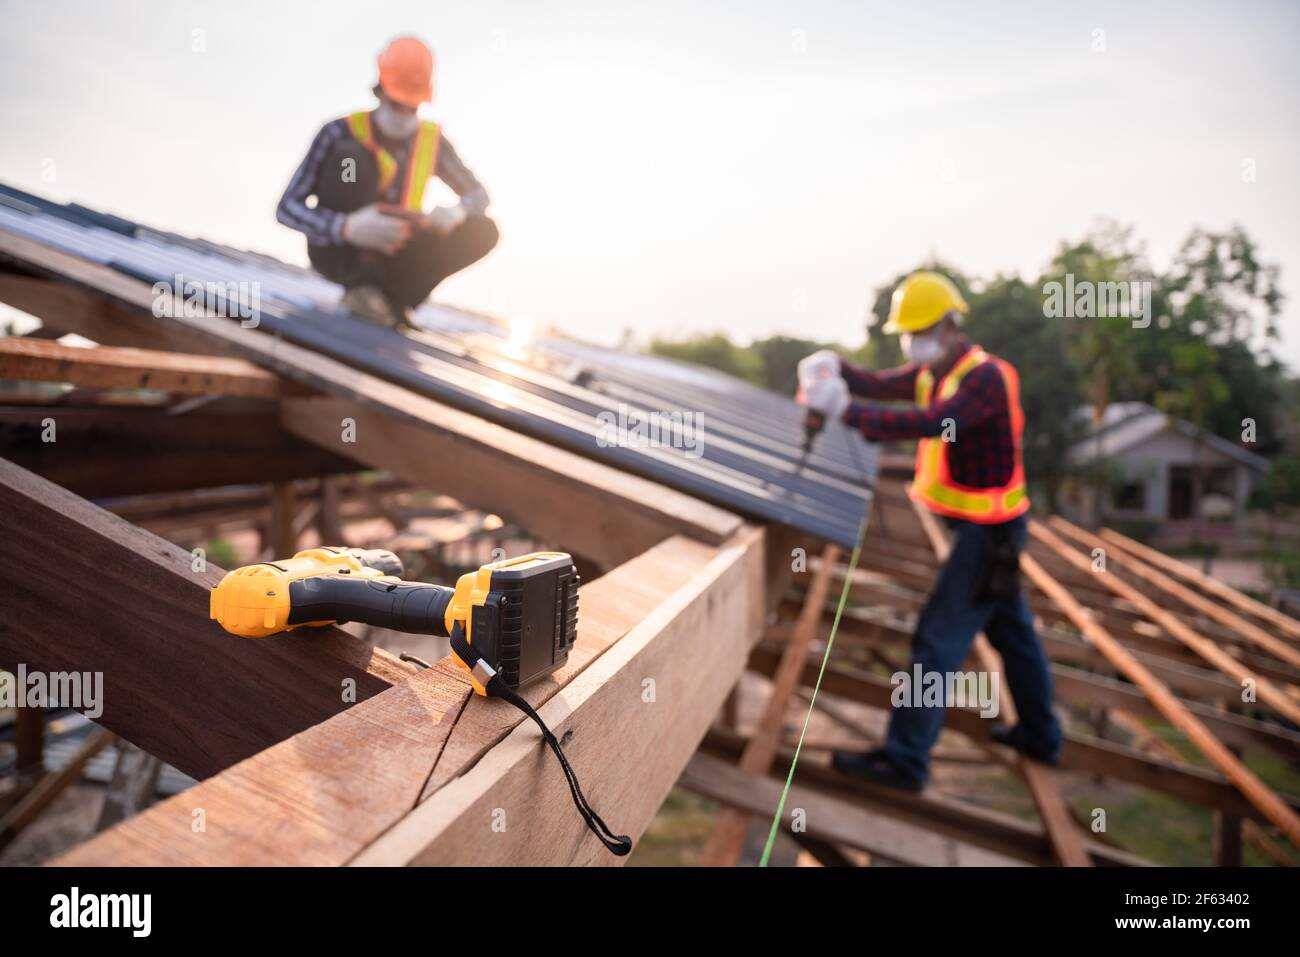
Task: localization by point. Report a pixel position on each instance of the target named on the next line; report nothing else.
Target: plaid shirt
(983, 452)
(324, 227)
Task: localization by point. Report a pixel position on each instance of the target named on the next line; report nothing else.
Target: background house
(1145, 465)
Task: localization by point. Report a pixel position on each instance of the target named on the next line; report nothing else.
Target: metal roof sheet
(564, 391)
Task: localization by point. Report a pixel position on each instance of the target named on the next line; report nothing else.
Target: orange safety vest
(422, 159)
(933, 485)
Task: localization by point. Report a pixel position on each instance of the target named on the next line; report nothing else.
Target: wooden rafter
(1269, 694)
(96, 594)
(727, 837)
(349, 789)
(117, 367)
(1067, 844)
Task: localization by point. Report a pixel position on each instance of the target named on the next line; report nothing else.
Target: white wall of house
(1150, 462)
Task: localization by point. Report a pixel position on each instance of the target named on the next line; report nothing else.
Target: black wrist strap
(617, 844)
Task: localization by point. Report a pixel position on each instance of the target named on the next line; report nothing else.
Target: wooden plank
(1133, 561)
(693, 646)
(727, 837)
(958, 820)
(459, 445)
(116, 367)
(48, 788)
(1255, 790)
(1067, 844)
(1283, 622)
(595, 511)
(325, 795)
(93, 593)
(833, 819)
(1268, 693)
(64, 308)
(102, 453)
(1206, 788)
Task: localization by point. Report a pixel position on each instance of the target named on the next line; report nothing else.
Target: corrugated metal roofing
(570, 393)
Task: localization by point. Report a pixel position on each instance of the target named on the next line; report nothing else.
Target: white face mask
(394, 123)
(922, 349)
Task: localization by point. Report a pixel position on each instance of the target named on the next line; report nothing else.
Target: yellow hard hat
(921, 300)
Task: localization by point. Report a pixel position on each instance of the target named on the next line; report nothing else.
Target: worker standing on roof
(968, 419)
(368, 229)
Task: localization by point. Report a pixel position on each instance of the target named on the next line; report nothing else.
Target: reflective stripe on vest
(933, 485)
(422, 159)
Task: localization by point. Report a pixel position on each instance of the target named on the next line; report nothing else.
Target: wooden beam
(596, 511)
(63, 307)
(1283, 622)
(48, 788)
(1132, 555)
(1082, 753)
(116, 367)
(336, 789)
(727, 837)
(693, 647)
(1067, 844)
(103, 453)
(95, 594)
(958, 820)
(462, 453)
(832, 819)
(1268, 693)
(1255, 790)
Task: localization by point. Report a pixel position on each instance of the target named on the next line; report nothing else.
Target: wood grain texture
(119, 367)
(325, 795)
(87, 591)
(628, 749)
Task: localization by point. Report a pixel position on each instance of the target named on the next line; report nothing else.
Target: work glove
(828, 396)
(821, 364)
(444, 220)
(369, 228)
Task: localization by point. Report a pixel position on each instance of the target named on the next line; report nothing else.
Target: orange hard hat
(406, 71)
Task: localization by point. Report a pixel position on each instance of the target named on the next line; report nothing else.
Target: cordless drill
(520, 615)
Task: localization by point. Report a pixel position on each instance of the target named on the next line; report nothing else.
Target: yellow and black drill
(510, 623)
(520, 615)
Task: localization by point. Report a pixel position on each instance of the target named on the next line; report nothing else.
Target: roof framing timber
(89, 592)
(682, 616)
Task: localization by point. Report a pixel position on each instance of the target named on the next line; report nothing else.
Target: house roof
(559, 390)
(1126, 425)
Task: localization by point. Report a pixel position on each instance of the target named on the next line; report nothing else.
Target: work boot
(875, 767)
(370, 303)
(1015, 737)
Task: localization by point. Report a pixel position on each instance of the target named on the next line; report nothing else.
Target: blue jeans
(945, 631)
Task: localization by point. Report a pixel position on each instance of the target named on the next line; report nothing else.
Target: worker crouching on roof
(367, 229)
(968, 419)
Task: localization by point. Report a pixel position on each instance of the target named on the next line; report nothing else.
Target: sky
(675, 167)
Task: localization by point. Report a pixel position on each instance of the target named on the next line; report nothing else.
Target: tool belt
(999, 577)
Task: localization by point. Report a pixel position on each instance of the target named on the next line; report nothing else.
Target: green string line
(812, 702)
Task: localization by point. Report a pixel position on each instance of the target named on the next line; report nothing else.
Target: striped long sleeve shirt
(324, 227)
